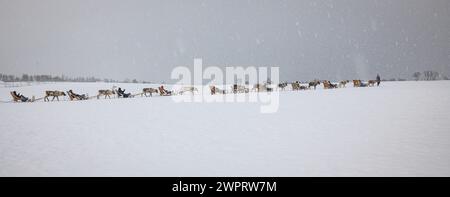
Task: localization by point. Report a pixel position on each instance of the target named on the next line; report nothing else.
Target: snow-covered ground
(397, 129)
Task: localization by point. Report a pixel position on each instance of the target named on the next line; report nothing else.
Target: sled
(329, 85)
(77, 97)
(15, 98)
(163, 92)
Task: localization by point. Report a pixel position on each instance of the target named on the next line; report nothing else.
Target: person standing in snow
(378, 80)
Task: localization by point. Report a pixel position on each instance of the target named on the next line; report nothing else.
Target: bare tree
(417, 75)
(430, 75)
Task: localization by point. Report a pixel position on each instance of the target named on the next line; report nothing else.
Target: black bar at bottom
(209, 186)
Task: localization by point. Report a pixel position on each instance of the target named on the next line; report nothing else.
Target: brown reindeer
(326, 85)
(313, 84)
(55, 94)
(150, 91)
(295, 85)
(259, 87)
(106, 93)
(343, 83)
(356, 83)
(371, 83)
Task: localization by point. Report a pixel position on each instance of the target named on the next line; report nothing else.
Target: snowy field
(397, 129)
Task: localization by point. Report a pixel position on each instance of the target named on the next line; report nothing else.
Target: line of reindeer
(236, 88)
(297, 85)
(108, 93)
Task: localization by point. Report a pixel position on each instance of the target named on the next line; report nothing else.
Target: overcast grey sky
(145, 39)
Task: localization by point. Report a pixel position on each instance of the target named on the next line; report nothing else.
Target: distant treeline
(62, 78)
(425, 76)
(429, 75)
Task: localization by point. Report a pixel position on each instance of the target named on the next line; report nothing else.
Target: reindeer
(282, 85)
(256, 87)
(146, 91)
(239, 89)
(260, 87)
(188, 89)
(357, 83)
(106, 93)
(295, 85)
(313, 84)
(343, 83)
(371, 83)
(55, 94)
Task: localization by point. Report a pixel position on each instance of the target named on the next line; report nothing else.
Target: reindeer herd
(236, 88)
